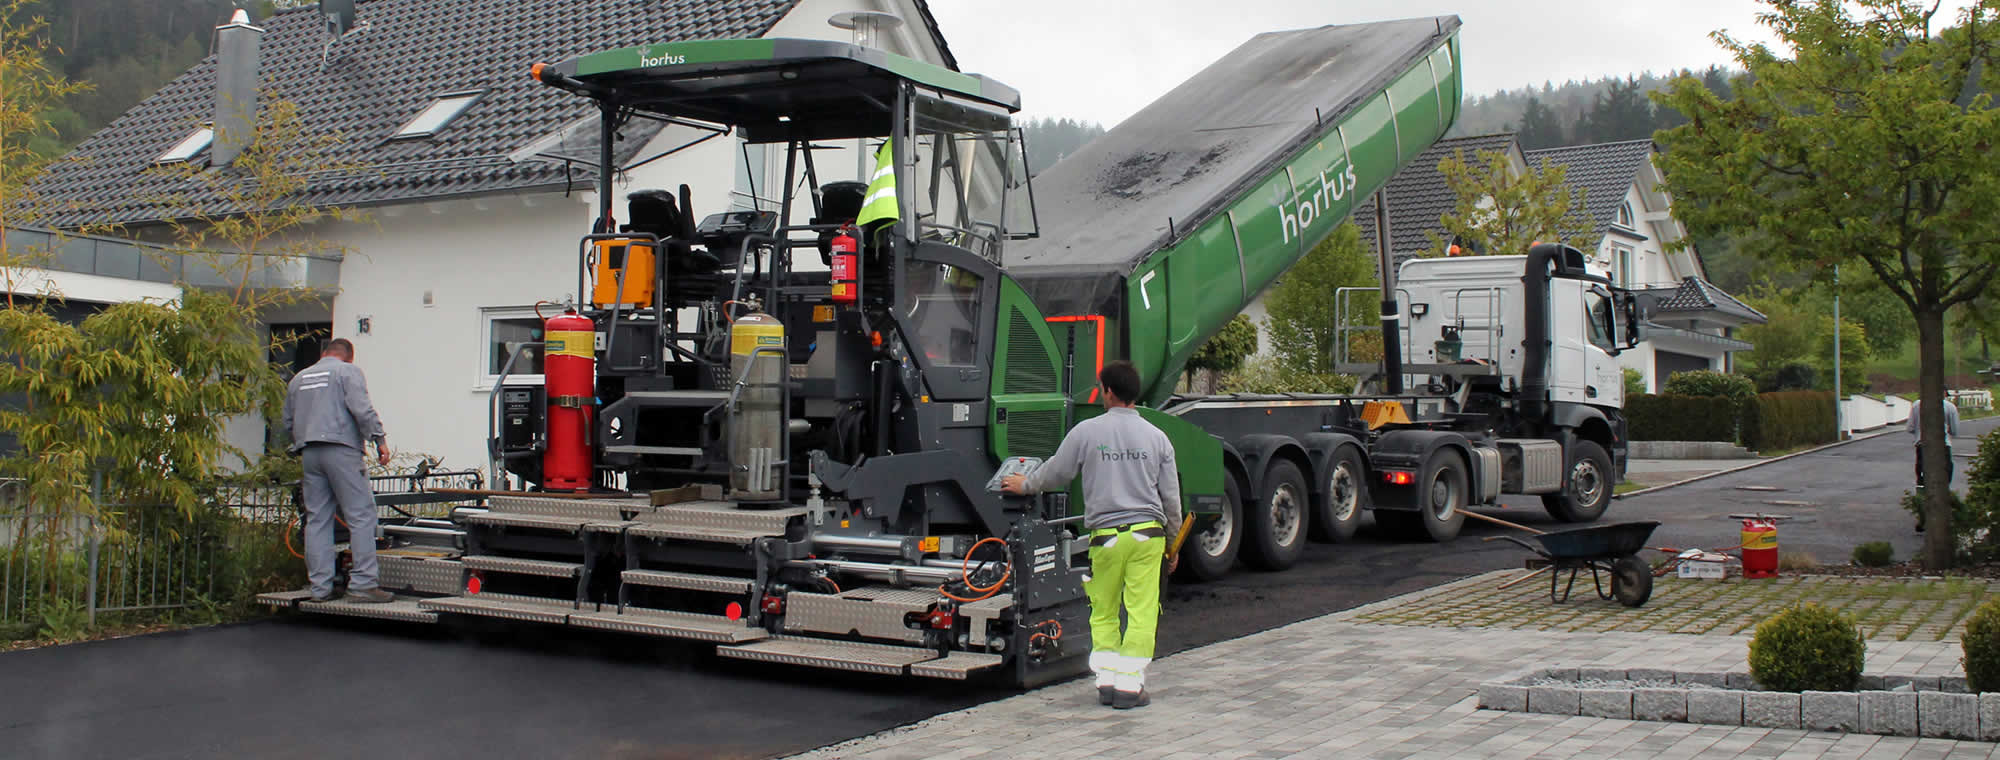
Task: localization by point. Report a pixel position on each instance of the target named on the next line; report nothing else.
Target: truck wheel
(1442, 496)
(1278, 524)
(1208, 555)
(1337, 511)
(1586, 485)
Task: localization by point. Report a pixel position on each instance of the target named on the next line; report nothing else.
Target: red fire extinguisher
(846, 287)
(569, 366)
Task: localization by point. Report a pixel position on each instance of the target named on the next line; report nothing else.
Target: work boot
(370, 595)
(1126, 700)
(1105, 694)
(326, 597)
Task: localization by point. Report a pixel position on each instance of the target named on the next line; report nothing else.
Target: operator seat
(839, 203)
(658, 213)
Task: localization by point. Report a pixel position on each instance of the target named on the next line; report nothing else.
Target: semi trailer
(779, 430)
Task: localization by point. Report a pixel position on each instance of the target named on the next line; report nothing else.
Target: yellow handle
(1187, 525)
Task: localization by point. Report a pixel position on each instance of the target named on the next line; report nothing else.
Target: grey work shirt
(328, 403)
(1950, 422)
(1128, 471)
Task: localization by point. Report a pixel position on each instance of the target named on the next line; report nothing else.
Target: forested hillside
(1579, 113)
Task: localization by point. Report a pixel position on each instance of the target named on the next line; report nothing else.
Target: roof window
(439, 114)
(189, 146)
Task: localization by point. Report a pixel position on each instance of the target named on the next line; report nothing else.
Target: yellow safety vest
(881, 200)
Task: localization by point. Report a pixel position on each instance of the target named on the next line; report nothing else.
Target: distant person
(329, 416)
(1132, 505)
(1950, 432)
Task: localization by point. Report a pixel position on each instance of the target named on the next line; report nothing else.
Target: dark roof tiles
(402, 56)
(1604, 172)
(1419, 196)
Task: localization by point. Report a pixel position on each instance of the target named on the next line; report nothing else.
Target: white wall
(94, 288)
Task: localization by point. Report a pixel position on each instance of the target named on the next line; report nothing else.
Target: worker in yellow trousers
(1131, 492)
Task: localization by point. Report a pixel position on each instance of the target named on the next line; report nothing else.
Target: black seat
(839, 203)
(657, 212)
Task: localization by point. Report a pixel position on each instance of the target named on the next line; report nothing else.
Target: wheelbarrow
(1610, 552)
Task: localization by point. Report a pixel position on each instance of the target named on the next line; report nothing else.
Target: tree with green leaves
(1223, 353)
(1497, 210)
(1302, 310)
(1855, 140)
(1540, 127)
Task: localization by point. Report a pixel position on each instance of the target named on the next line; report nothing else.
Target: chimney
(238, 47)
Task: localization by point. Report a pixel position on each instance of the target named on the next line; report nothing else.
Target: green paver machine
(791, 419)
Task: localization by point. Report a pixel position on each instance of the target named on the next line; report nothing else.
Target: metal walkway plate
(838, 655)
(721, 515)
(687, 581)
(956, 666)
(525, 520)
(582, 510)
(404, 609)
(421, 574)
(518, 566)
(286, 599)
(679, 625)
(507, 606)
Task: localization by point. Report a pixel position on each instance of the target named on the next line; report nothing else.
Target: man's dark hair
(1121, 379)
(340, 346)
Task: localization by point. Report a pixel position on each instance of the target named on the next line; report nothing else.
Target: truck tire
(1444, 491)
(1337, 510)
(1209, 554)
(1278, 526)
(1586, 485)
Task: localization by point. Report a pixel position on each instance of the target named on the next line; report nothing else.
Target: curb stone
(1831, 711)
(1715, 706)
(1770, 709)
(1989, 716)
(1891, 713)
(1554, 700)
(1670, 705)
(1606, 703)
(1948, 716)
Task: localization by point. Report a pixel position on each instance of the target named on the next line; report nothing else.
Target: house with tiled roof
(1629, 215)
(477, 181)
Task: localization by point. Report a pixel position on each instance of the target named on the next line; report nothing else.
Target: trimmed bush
(1787, 419)
(1704, 382)
(1807, 648)
(1680, 418)
(1982, 648)
(1874, 554)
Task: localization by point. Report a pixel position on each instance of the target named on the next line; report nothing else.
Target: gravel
(1595, 683)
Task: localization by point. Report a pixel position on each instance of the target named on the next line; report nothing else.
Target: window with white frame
(1625, 216)
(505, 332)
(1621, 267)
(189, 147)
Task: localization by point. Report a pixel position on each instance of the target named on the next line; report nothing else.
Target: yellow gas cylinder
(756, 423)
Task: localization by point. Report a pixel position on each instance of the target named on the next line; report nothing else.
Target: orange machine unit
(630, 259)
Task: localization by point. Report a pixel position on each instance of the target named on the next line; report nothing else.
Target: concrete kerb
(1921, 709)
(1758, 463)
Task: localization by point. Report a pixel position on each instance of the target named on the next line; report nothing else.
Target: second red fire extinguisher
(569, 366)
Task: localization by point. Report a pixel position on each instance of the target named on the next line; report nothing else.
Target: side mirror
(1627, 304)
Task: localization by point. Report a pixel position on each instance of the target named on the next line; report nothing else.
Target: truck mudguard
(1258, 451)
(1320, 448)
(1408, 450)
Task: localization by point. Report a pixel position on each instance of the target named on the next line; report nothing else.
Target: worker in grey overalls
(329, 415)
(1950, 432)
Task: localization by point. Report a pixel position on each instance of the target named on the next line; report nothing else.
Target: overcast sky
(1102, 60)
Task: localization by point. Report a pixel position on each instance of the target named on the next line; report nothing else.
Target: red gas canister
(569, 366)
(1760, 548)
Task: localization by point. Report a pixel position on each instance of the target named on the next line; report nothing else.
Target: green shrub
(1807, 648)
(1635, 383)
(1982, 648)
(1266, 375)
(1704, 382)
(1976, 521)
(1787, 419)
(1680, 418)
(1874, 554)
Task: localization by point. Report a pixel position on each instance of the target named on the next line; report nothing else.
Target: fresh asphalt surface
(314, 688)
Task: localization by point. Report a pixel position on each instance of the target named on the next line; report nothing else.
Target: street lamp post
(1839, 424)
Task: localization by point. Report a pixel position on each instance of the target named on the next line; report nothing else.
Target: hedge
(1681, 418)
(1786, 419)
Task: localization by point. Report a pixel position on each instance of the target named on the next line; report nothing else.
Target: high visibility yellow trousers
(1124, 572)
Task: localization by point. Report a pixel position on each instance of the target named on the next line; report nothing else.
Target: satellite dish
(339, 16)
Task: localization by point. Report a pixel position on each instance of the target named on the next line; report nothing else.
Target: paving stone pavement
(1333, 687)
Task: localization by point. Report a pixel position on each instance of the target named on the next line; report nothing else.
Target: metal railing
(59, 571)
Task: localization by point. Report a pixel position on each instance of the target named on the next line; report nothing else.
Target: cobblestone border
(1927, 706)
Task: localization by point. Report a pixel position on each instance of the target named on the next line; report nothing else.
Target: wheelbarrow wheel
(1631, 581)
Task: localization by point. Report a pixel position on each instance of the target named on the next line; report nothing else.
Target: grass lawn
(1959, 361)
(1626, 487)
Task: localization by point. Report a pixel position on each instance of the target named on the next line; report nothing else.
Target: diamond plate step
(579, 509)
(519, 566)
(679, 625)
(956, 666)
(404, 609)
(528, 520)
(423, 575)
(721, 515)
(284, 599)
(884, 659)
(687, 581)
(870, 612)
(511, 607)
(710, 535)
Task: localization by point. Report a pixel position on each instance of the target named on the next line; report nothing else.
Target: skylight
(188, 147)
(439, 114)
